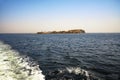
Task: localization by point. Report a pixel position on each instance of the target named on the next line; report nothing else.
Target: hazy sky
(31, 16)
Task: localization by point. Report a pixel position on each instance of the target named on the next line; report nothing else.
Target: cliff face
(63, 32)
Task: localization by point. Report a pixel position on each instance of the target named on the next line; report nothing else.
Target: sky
(31, 16)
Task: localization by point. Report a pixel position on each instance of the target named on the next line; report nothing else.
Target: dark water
(99, 54)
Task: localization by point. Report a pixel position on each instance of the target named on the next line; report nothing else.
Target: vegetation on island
(63, 32)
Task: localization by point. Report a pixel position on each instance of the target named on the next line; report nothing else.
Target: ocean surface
(89, 56)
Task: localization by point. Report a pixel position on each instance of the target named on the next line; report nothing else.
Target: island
(64, 32)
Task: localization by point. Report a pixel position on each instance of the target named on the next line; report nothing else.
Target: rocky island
(74, 31)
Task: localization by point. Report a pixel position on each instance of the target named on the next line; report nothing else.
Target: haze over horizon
(31, 16)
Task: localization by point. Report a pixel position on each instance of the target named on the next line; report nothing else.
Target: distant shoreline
(74, 31)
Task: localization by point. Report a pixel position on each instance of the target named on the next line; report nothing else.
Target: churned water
(16, 67)
(70, 56)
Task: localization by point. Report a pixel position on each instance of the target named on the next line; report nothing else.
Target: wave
(16, 67)
(70, 73)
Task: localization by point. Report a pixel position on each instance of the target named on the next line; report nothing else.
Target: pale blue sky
(31, 16)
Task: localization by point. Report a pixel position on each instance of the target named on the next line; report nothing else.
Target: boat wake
(16, 67)
(70, 73)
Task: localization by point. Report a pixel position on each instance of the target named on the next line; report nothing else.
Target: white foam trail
(77, 70)
(14, 67)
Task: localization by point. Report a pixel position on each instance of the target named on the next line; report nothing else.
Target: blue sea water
(96, 53)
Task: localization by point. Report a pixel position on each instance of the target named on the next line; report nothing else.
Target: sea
(85, 56)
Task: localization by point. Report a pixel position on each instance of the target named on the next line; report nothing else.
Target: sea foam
(16, 67)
